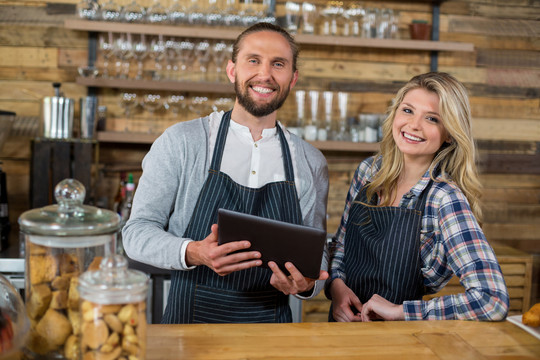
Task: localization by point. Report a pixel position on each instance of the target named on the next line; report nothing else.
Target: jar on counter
(113, 309)
(62, 241)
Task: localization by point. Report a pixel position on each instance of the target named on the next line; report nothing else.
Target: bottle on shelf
(125, 209)
(120, 193)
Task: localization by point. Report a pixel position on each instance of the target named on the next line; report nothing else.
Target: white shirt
(250, 163)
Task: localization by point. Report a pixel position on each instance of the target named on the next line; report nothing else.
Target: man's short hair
(264, 26)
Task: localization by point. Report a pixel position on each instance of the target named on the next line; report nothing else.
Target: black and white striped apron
(202, 296)
(382, 250)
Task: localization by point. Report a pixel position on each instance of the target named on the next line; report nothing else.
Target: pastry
(532, 317)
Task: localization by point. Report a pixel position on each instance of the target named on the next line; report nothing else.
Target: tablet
(277, 241)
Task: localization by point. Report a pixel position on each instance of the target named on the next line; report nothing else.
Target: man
(241, 160)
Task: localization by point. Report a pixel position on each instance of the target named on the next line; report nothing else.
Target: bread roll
(532, 317)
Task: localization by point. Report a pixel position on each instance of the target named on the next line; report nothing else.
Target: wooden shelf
(142, 138)
(157, 85)
(231, 34)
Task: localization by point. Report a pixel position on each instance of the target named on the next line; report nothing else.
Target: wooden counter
(377, 340)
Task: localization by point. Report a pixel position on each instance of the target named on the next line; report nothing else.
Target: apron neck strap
(222, 137)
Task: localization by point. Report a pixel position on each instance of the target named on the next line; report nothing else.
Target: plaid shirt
(452, 242)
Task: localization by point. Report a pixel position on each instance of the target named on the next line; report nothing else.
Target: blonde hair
(457, 159)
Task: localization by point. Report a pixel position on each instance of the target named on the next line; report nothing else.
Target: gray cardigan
(174, 171)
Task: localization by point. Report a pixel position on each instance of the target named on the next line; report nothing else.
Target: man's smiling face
(263, 73)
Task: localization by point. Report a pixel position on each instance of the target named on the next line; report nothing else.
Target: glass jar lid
(70, 223)
(113, 283)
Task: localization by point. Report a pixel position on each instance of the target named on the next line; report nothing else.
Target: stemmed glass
(171, 57)
(177, 103)
(110, 11)
(151, 103)
(185, 55)
(196, 14)
(177, 13)
(202, 52)
(128, 102)
(230, 13)
(355, 15)
(248, 14)
(199, 105)
(133, 12)
(218, 54)
(105, 44)
(123, 52)
(332, 15)
(213, 14)
(223, 104)
(157, 52)
(88, 9)
(156, 13)
(140, 51)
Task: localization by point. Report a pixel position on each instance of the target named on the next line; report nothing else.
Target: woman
(410, 220)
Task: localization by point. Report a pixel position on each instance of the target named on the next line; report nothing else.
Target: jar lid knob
(70, 194)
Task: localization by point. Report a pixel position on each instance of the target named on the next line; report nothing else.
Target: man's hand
(379, 308)
(344, 301)
(295, 283)
(218, 257)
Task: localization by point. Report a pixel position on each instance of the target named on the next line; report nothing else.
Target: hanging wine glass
(230, 13)
(123, 52)
(213, 16)
(133, 12)
(195, 13)
(140, 52)
(157, 52)
(171, 57)
(199, 106)
(202, 53)
(105, 45)
(128, 101)
(248, 14)
(156, 13)
(88, 9)
(151, 103)
(177, 103)
(177, 13)
(185, 55)
(218, 51)
(110, 11)
(223, 104)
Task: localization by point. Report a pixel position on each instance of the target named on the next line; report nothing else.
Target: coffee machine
(6, 121)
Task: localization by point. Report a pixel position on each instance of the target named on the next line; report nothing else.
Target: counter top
(377, 340)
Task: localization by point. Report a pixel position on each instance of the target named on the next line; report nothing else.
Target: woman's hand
(295, 283)
(379, 308)
(344, 301)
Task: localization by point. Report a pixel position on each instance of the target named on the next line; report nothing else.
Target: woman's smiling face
(418, 129)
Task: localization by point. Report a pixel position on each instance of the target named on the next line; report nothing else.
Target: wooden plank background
(502, 74)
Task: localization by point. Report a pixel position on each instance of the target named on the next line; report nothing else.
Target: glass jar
(113, 309)
(14, 324)
(62, 241)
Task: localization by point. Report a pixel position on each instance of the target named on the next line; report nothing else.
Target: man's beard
(242, 95)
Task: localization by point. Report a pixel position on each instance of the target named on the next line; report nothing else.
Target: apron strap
(222, 137)
(220, 141)
(287, 158)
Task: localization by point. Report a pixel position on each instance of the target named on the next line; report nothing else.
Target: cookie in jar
(62, 241)
(113, 311)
